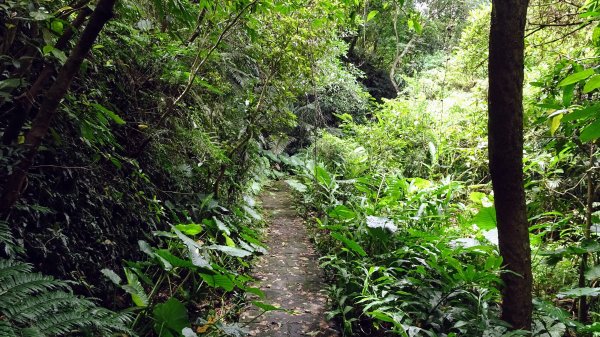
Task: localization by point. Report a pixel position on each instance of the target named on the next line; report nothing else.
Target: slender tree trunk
(505, 127)
(41, 123)
(397, 62)
(24, 103)
(583, 309)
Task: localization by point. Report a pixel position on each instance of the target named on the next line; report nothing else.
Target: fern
(9, 268)
(39, 305)
(7, 241)
(36, 305)
(19, 286)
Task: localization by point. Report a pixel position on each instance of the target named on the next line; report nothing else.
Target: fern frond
(6, 238)
(6, 330)
(43, 304)
(16, 287)
(9, 268)
(35, 305)
(31, 332)
(64, 322)
(108, 321)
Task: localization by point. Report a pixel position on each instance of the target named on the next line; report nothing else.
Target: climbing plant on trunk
(505, 137)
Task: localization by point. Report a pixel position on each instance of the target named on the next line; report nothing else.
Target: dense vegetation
(136, 136)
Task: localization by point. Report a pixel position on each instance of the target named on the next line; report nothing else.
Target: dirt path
(289, 275)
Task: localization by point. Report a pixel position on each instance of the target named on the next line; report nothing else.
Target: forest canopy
(443, 155)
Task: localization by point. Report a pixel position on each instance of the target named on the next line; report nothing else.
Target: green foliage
(171, 318)
(183, 108)
(387, 275)
(33, 304)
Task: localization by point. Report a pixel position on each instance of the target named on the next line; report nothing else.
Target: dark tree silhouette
(41, 123)
(505, 126)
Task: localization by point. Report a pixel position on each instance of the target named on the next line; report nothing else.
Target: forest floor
(288, 274)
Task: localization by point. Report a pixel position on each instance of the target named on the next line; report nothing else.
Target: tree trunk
(42, 120)
(397, 61)
(24, 103)
(505, 127)
(583, 309)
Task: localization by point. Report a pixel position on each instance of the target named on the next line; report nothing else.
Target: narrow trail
(288, 274)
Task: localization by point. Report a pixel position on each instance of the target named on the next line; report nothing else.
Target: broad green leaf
(251, 239)
(417, 25)
(481, 199)
(590, 246)
(166, 264)
(381, 316)
(194, 249)
(47, 49)
(57, 26)
(372, 15)
(323, 176)
(592, 84)
(172, 259)
(353, 245)
(172, 315)
(266, 306)
(568, 91)
(245, 246)
(555, 123)
(296, 185)
(237, 252)
(485, 219)
(418, 184)
(190, 229)
(111, 275)
(255, 291)
(218, 281)
(342, 212)
(578, 76)
(591, 132)
(593, 273)
(197, 259)
(135, 289)
(108, 113)
(145, 247)
(252, 213)
(60, 55)
(186, 240)
(228, 241)
(40, 16)
(10, 83)
(579, 292)
(221, 226)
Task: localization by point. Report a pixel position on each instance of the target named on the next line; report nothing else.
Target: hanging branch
(41, 124)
